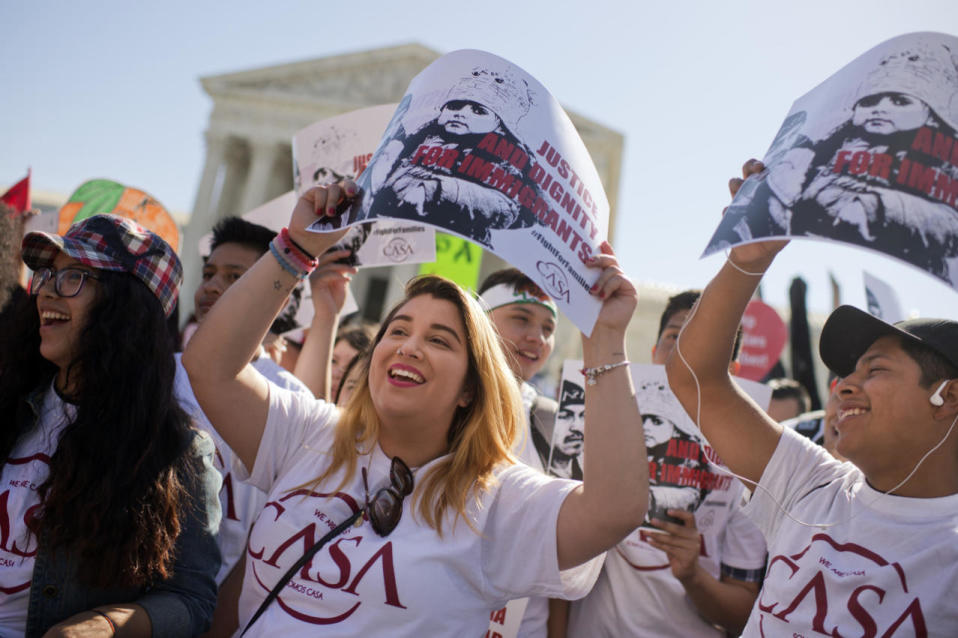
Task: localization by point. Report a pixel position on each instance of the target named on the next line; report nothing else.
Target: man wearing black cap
(862, 548)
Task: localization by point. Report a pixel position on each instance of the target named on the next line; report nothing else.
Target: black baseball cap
(849, 332)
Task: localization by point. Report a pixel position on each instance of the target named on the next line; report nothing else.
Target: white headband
(505, 294)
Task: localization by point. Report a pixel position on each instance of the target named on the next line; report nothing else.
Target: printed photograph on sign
(869, 158)
(561, 454)
(479, 148)
(340, 148)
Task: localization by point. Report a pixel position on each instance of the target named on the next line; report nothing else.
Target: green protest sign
(456, 259)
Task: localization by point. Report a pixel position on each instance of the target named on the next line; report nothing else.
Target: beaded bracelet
(107, 618)
(291, 256)
(592, 374)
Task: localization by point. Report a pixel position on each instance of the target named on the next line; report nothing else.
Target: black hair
(358, 337)
(685, 301)
(233, 230)
(784, 388)
(933, 365)
(117, 490)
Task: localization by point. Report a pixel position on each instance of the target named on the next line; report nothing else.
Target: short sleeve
(295, 421)
(797, 467)
(519, 552)
(743, 548)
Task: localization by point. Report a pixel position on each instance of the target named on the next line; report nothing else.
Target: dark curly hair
(117, 492)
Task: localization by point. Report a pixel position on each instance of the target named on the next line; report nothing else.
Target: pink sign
(763, 339)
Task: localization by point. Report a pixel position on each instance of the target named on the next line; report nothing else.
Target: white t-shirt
(534, 611)
(410, 583)
(637, 594)
(26, 469)
(240, 502)
(888, 567)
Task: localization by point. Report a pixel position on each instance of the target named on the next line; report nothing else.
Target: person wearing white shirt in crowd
(435, 415)
(696, 576)
(235, 247)
(866, 547)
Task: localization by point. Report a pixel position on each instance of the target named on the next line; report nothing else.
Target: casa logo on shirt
(342, 576)
(12, 530)
(838, 589)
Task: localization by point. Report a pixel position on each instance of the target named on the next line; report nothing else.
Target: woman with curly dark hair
(109, 501)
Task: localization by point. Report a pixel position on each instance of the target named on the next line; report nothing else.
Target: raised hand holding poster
(340, 147)
(479, 148)
(869, 157)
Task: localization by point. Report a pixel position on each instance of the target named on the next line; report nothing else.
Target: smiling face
(886, 113)
(418, 369)
(882, 412)
(225, 265)
(461, 117)
(527, 335)
(62, 319)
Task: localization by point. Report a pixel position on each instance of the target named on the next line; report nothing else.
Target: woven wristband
(107, 618)
(288, 264)
(286, 237)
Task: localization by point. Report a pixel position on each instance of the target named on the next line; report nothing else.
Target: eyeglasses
(67, 282)
(385, 507)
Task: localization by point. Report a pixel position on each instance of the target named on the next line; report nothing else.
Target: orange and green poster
(105, 196)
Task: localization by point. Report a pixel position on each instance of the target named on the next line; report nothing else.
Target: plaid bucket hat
(108, 242)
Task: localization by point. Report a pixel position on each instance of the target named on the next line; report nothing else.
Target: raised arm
(328, 287)
(742, 434)
(234, 396)
(613, 498)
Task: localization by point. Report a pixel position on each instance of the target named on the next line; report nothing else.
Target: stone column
(200, 222)
(263, 155)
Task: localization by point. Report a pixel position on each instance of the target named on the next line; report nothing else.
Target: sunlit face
(527, 335)
(881, 405)
(666, 343)
(225, 265)
(886, 113)
(343, 353)
(62, 319)
(426, 379)
(830, 433)
(461, 117)
(569, 429)
(658, 429)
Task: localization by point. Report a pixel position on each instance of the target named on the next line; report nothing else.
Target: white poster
(340, 147)
(479, 148)
(683, 468)
(882, 299)
(868, 157)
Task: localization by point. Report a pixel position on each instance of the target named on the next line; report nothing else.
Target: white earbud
(936, 399)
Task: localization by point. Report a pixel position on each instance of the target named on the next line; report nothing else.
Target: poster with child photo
(869, 157)
(479, 148)
(338, 148)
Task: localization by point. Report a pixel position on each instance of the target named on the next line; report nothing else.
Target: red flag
(18, 195)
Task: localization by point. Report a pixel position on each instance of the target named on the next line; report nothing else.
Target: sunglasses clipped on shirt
(67, 282)
(385, 508)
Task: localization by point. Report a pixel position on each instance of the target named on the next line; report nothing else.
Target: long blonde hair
(481, 434)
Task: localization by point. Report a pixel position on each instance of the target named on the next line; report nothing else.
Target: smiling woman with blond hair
(435, 415)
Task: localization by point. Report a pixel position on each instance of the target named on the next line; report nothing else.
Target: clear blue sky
(110, 89)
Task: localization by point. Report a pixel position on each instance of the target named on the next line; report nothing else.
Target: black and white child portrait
(450, 170)
(885, 177)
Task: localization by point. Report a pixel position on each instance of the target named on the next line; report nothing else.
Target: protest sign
(457, 259)
(338, 148)
(868, 157)
(763, 338)
(505, 622)
(105, 196)
(882, 300)
(479, 148)
(682, 465)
